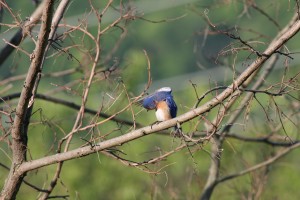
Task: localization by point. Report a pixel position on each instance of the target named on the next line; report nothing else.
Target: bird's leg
(177, 132)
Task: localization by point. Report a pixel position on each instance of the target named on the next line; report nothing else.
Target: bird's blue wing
(172, 105)
(150, 101)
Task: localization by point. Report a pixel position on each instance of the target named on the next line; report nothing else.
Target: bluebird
(162, 101)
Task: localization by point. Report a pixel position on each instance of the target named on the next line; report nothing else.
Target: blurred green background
(173, 33)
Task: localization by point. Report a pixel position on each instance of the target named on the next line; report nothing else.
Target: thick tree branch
(55, 21)
(79, 152)
(19, 132)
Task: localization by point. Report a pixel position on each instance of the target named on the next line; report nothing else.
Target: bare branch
(166, 124)
(22, 32)
(19, 130)
(268, 162)
(267, 140)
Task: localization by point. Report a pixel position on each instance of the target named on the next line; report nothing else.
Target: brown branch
(266, 139)
(218, 141)
(246, 171)
(22, 33)
(260, 165)
(55, 21)
(19, 131)
(26, 182)
(87, 110)
(81, 112)
(71, 105)
(51, 74)
(147, 162)
(84, 151)
(253, 5)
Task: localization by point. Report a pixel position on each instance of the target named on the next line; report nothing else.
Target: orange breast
(162, 111)
(162, 105)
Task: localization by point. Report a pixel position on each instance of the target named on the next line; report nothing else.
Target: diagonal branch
(218, 141)
(84, 151)
(73, 106)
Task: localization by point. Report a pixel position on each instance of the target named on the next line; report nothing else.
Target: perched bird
(162, 101)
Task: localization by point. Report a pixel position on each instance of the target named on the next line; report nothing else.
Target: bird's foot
(177, 132)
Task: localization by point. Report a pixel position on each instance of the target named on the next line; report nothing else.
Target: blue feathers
(164, 94)
(172, 106)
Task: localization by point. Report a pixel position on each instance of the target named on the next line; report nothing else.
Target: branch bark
(19, 130)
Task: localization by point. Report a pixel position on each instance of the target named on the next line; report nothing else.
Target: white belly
(161, 115)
